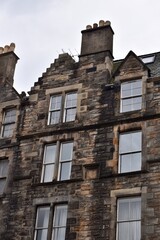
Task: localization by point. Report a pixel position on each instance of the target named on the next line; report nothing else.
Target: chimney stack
(8, 60)
(97, 39)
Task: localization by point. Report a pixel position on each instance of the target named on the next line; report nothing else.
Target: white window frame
(132, 97)
(41, 228)
(8, 122)
(63, 108)
(50, 229)
(61, 223)
(57, 161)
(3, 174)
(131, 152)
(72, 107)
(130, 220)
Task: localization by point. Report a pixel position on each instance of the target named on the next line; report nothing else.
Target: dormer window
(149, 59)
(131, 95)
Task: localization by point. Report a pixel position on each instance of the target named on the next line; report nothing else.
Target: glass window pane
(135, 230)
(135, 209)
(130, 142)
(130, 162)
(60, 216)
(55, 117)
(123, 231)
(65, 171)
(148, 59)
(137, 88)
(48, 172)
(3, 168)
(66, 151)
(8, 130)
(2, 185)
(56, 102)
(123, 210)
(125, 163)
(59, 234)
(10, 116)
(50, 154)
(71, 100)
(59, 222)
(41, 234)
(125, 90)
(70, 114)
(42, 217)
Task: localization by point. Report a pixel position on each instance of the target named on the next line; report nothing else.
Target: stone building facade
(80, 156)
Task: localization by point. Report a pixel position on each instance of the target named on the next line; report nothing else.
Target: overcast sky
(42, 29)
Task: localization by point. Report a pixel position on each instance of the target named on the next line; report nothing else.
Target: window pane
(130, 162)
(41, 234)
(137, 88)
(70, 114)
(59, 222)
(8, 130)
(130, 142)
(123, 231)
(2, 185)
(71, 100)
(55, 117)
(135, 209)
(66, 151)
(135, 230)
(65, 171)
(123, 210)
(3, 168)
(55, 102)
(42, 217)
(136, 103)
(48, 172)
(60, 216)
(50, 154)
(10, 116)
(125, 90)
(59, 234)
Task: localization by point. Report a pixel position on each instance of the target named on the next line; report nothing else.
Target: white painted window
(8, 123)
(131, 96)
(45, 214)
(130, 151)
(42, 220)
(62, 108)
(129, 218)
(55, 109)
(3, 174)
(57, 161)
(59, 222)
(65, 161)
(70, 107)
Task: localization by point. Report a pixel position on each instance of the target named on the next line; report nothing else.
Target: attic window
(149, 59)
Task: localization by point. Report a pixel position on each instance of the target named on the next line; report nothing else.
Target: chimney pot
(101, 23)
(107, 23)
(95, 25)
(6, 48)
(88, 27)
(12, 47)
(1, 50)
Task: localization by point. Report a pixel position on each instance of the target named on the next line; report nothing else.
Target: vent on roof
(149, 59)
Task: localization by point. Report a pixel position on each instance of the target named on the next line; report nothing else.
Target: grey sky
(42, 28)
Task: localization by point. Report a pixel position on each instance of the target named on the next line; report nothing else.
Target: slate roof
(154, 66)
